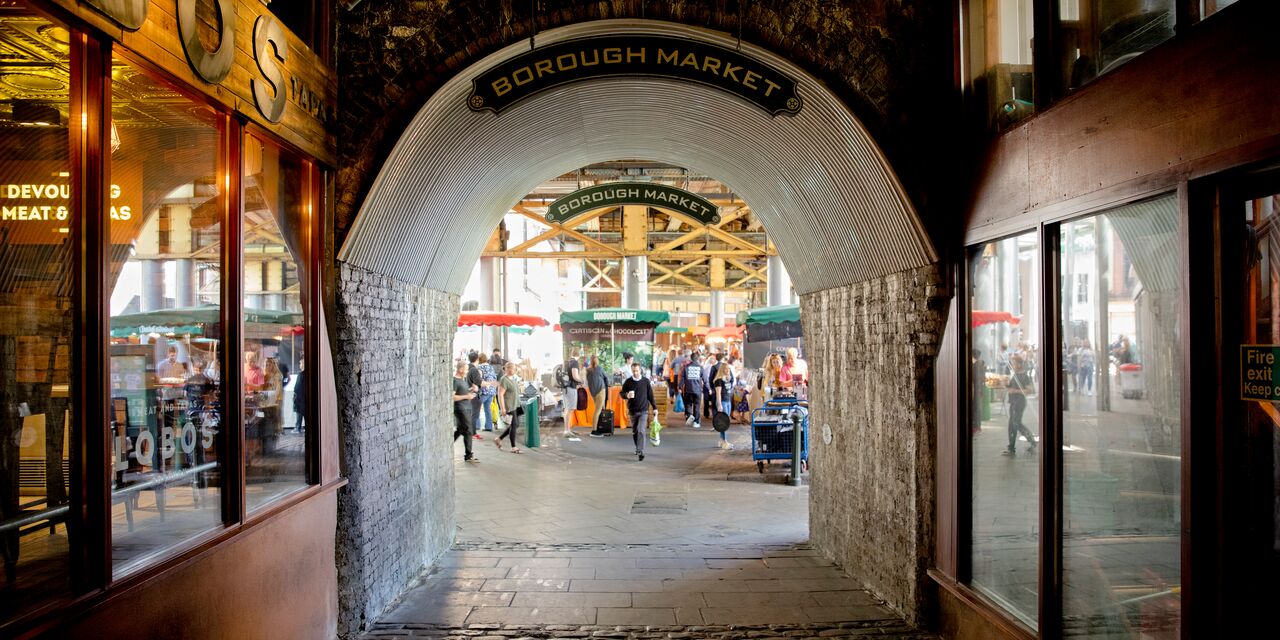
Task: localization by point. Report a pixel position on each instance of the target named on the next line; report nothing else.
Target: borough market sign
(634, 55)
(617, 194)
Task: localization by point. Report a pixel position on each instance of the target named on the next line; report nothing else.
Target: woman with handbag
(509, 405)
(722, 391)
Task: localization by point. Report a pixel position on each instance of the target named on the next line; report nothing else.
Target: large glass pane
(277, 223)
(1258, 464)
(1005, 424)
(37, 308)
(1098, 36)
(166, 304)
(1000, 33)
(1210, 7)
(1122, 426)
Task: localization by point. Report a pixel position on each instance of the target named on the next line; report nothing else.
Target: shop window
(1122, 425)
(37, 309)
(1257, 458)
(276, 238)
(1000, 34)
(1098, 36)
(165, 279)
(1005, 423)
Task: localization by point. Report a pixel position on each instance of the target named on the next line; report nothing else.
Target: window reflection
(37, 310)
(1000, 33)
(1097, 36)
(1122, 427)
(1005, 424)
(276, 249)
(166, 306)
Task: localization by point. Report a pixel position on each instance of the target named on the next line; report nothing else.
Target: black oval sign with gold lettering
(617, 194)
(634, 55)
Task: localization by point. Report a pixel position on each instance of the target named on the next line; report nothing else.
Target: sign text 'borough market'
(617, 194)
(569, 61)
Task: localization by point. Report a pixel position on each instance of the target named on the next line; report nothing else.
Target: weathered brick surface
(871, 348)
(396, 515)
(889, 60)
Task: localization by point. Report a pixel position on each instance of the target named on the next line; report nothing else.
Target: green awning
(205, 314)
(670, 329)
(615, 315)
(770, 315)
(179, 330)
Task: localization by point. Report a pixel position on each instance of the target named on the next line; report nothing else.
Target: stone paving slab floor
(582, 540)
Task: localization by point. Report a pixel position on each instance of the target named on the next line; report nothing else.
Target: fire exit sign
(1258, 379)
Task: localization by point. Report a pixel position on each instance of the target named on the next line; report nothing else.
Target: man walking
(573, 368)
(463, 394)
(475, 380)
(691, 377)
(639, 394)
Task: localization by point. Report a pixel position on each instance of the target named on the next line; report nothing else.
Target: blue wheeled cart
(772, 432)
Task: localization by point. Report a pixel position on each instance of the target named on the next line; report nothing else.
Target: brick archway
(847, 232)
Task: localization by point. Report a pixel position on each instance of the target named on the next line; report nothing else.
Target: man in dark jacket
(463, 424)
(639, 395)
(476, 381)
(691, 381)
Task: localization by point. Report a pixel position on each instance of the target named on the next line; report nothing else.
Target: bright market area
(635, 263)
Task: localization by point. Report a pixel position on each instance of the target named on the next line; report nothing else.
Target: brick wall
(396, 515)
(871, 349)
(889, 60)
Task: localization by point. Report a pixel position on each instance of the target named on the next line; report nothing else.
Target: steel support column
(490, 337)
(779, 282)
(635, 282)
(717, 308)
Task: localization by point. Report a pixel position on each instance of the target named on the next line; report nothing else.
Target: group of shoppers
(708, 384)
(586, 373)
(478, 380)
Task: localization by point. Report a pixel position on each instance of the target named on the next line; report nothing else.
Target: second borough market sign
(634, 55)
(620, 193)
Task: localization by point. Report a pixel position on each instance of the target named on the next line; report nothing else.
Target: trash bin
(531, 420)
(1131, 386)
(987, 394)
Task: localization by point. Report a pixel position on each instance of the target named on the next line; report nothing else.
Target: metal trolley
(772, 432)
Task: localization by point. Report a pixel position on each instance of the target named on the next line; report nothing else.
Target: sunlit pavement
(578, 539)
(686, 491)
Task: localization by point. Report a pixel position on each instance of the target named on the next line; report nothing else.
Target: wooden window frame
(89, 494)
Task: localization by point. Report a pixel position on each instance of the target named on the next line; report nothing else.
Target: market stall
(992, 389)
(513, 323)
(609, 334)
(769, 330)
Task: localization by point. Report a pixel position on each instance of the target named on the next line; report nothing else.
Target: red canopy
(727, 331)
(497, 319)
(980, 318)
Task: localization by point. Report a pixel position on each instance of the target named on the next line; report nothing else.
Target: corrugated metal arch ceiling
(823, 190)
